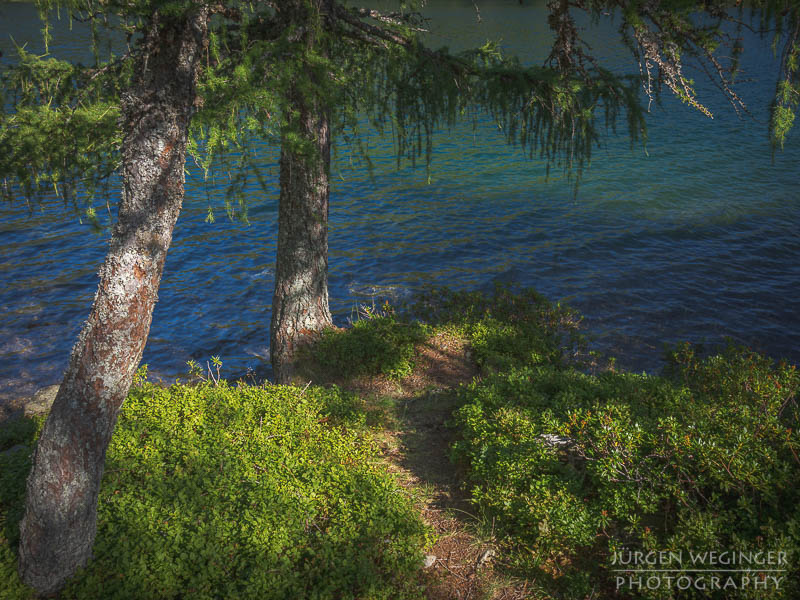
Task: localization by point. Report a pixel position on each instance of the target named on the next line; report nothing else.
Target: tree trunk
(60, 522)
(300, 304)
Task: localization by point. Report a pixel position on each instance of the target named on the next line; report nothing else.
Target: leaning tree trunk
(60, 522)
(300, 305)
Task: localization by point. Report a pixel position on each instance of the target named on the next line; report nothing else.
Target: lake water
(695, 239)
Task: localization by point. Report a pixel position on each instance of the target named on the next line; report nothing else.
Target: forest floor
(415, 441)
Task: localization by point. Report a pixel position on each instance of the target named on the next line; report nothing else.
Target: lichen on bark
(60, 521)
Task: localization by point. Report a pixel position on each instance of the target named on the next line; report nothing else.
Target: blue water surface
(694, 237)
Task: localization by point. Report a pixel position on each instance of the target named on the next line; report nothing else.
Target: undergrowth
(378, 343)
(596, 485)
(578, 472)
(237, 492)
(505, 327)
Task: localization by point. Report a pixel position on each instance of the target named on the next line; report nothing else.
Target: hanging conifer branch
(787, 92)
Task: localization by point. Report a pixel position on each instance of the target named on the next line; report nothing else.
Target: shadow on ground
(416, 441)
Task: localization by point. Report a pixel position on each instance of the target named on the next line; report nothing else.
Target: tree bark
(300, 305)
(60, 522)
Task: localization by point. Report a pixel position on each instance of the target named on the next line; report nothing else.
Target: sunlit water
(695, 239)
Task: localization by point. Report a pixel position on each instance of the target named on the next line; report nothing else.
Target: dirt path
(416, 444)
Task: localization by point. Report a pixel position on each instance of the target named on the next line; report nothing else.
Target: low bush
(579, 472)
(241, 492)
(16, 439)
(506, 327)
(379, 344)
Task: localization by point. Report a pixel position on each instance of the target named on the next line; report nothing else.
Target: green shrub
(14, 468)
(16, 440)
(21, 430)
(574, 468)
(223, 492)
(506, 327)
(380, 344)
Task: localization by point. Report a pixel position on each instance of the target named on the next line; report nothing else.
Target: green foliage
(415, 91)
(17, 437)
(63, 134)
(14, 468)
(787, 97)
(381, 343)
(507, 326)
(22, 430)
(782, 18)
(263, 65)
(211, 375)
(573, 467)
(240, 492)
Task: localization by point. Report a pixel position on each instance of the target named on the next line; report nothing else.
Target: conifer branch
(352, 18)
(412, 21)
